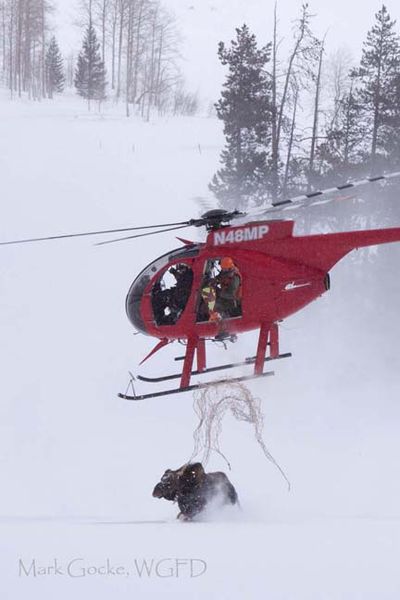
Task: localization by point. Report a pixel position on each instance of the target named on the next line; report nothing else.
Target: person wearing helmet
(228, 289)
(181, 292)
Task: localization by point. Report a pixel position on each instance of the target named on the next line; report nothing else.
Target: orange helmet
(215, 317)
(227, 263)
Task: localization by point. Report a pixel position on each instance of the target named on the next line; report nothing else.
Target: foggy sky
(203, 23)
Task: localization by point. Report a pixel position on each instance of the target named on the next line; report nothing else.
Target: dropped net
(211, 404)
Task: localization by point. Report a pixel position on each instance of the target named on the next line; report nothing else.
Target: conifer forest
(293, 119)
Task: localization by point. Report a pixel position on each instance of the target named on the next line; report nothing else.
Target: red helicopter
(180, 295)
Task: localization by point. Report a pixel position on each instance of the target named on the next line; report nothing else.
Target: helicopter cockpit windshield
(181, 256)
(170, 294)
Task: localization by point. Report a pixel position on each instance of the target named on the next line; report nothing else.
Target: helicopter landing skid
(247, 361)
(190, 388)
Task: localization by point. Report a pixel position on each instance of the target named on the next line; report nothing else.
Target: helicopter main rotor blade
(131, 237)
(316, 197)
(89, 233)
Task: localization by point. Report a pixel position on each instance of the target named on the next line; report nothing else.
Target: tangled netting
(211, 403)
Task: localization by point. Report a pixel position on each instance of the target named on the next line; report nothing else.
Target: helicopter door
(171, 293)
(220, 292)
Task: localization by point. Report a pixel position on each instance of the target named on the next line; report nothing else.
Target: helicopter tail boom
(325, 250)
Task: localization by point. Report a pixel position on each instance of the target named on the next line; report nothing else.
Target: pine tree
(90, 74)
(392, 125)
(245, 109)
(55, 76)
(378, 72)
(343, 152)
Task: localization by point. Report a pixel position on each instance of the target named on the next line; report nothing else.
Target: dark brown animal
(168, 485)
(193, 489)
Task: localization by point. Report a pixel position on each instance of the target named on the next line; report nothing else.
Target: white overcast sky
(203, 23)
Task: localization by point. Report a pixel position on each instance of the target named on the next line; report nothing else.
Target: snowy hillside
(78, 464)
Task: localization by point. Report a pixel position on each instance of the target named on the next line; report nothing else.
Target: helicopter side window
(221, 291)
(171, 293)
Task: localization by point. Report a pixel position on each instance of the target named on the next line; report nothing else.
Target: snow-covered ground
(78, 465)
